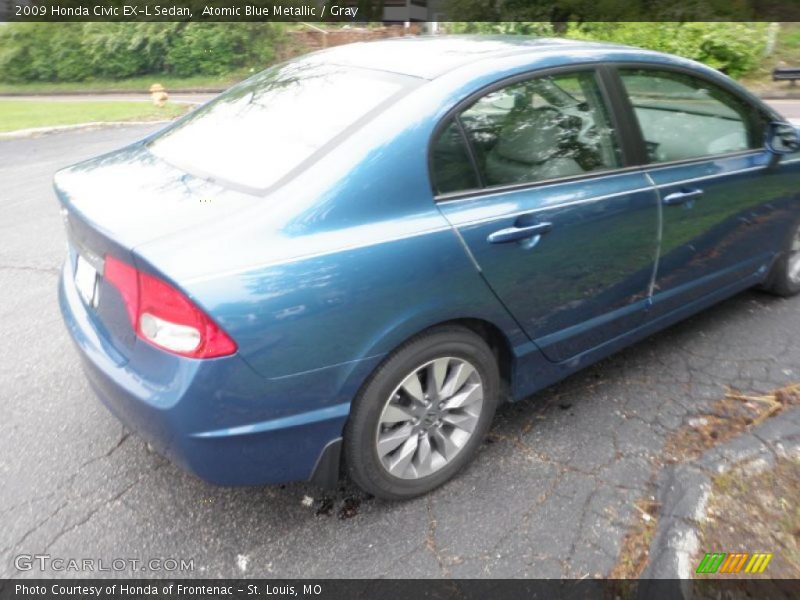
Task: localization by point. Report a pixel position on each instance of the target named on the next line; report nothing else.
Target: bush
(734, 48)
(119, 50)
(25, 53)
(503, 28)
(214, 48)
(80, 51)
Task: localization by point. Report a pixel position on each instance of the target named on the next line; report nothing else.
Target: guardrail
(786, 74)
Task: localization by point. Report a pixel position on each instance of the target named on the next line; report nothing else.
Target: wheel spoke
(458, 376)
(392, 439)
(468, 395)
(424, 457)
(446, 446)
(413, 388)
(400, 462)
(395, 413)
(437, 371)
(463, 421)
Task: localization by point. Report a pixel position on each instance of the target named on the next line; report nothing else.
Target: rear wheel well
(497, 341)
(490, 333)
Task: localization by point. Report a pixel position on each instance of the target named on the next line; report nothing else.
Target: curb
(683, 492)
(34, 131)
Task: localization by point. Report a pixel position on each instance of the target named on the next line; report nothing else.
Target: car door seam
(659, 237)
(463, 243)
(482, 275)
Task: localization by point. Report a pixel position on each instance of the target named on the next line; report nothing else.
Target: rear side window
(260, 130)
(451, 166)
(541, 129)
(684, 117)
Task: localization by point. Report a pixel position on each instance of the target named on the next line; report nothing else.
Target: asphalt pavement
(551, 493)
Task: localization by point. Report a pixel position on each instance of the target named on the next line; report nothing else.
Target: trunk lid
(135, 197)
(116, 202)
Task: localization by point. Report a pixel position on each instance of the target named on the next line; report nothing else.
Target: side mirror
(782, 138)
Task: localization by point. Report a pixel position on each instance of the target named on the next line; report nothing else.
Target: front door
(723, 208)
(529, 174)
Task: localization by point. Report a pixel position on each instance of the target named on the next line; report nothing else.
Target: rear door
(533, 176)
(724, 211)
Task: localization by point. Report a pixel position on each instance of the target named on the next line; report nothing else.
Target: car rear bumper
(217, 418)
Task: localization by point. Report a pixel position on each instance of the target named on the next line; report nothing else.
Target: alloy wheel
(429, 417)
(793, 264)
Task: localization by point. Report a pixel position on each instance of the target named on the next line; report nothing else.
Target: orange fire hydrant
(158, 94)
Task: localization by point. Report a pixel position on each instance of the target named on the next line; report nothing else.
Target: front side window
(682, 117)
(540, 129)
(260, 130)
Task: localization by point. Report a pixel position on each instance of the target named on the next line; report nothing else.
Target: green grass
(134, 84)
(20, 114)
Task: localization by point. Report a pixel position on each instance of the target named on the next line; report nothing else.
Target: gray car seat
(530, 148)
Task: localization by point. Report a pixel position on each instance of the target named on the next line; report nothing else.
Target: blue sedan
(344, 263)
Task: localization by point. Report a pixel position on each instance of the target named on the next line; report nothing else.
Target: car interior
(681, 118)
(540, 129)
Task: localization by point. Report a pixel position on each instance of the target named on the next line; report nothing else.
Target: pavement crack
(32, 269)
(430, 541)
(33, 529)
(581, 522)
(71, 478)
(93, 512)
(125, 435)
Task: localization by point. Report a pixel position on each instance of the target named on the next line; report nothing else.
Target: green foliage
(119, 50)
(580, 11)
(32, 52)
(25, 53)
(503, 28)
(214, 48)
(205, 48)
(734, 48)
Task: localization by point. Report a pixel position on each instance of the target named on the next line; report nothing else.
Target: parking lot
(550, 495)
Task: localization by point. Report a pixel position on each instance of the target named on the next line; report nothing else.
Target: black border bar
(391, 589)
(363, 11)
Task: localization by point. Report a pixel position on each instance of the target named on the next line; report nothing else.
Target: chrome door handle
(682, 197)
(512, 234)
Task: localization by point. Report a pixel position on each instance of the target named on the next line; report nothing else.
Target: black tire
(362, 461)
(781, 281)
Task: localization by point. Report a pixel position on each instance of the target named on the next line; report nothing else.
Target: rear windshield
(258, 131)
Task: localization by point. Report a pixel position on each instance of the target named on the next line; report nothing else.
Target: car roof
(429, 57)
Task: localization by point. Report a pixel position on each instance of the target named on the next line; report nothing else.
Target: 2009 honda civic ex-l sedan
(349, 258)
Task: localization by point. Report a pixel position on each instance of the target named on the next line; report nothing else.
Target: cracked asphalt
(550, 494)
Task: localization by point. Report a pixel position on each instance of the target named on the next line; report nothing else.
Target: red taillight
(125, 278)
(164, 317)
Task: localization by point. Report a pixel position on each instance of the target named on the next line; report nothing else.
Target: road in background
(551, 494)
(788, 108)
